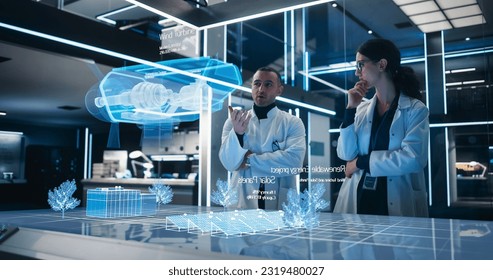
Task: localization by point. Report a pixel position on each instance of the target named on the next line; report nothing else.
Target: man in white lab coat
(263, 147)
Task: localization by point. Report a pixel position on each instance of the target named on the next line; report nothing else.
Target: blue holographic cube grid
(118, 202)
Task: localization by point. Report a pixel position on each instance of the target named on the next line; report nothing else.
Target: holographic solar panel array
(228, 223)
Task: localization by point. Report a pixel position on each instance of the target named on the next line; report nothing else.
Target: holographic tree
(164, 194)
(302, 209)
(224, 195)
(60, 199)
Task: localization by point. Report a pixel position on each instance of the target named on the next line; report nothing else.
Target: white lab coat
(277, 169)
(403, 163)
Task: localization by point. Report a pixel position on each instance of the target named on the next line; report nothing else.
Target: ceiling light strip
(473, 82)
(461, 70)
(245, 18)
(464, 11)
(152, 64)
(444, 88)
(170, 157)
(471, 52)
(453, 84)
(11, 132)
(306, 106)
(434, 125)
(350, 67)
(323, 82)
(420, 8)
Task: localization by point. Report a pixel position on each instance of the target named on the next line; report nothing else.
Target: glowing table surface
(337, 237)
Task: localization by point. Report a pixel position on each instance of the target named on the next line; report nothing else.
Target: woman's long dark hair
(404, 78)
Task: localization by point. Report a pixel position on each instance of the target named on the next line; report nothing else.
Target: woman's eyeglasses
(360, 64)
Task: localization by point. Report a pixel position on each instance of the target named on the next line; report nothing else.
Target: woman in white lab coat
(264, 147)
(385, 139)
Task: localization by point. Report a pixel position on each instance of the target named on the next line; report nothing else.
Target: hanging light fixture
(437, 15)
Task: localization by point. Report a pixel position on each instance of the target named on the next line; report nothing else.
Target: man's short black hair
(270, 69)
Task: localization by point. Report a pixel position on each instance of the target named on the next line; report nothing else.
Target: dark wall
(53, 155)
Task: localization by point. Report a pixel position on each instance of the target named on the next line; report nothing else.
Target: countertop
(339, 236)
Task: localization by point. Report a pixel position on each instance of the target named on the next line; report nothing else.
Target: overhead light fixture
(437, 15)
(461, 70)
(305, 105)
(349, 66)
(153, 64)
(468, 21)
(3, 113)
(428, 17)
(226, 22)
(473, 82)
(325, 83)
(435, 26)
(460, 124)
(104, 17)
(453, 84)
(465, 11)
(167, 22)
(419, 8)
(447, 4)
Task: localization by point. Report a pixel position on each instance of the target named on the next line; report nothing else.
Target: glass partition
(468, 76)
(314, 49)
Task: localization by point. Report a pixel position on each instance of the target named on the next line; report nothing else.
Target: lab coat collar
(270, 114)
(403, 103)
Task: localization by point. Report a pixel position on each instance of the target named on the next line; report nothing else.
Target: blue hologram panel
(146, 95)
(118, 202)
